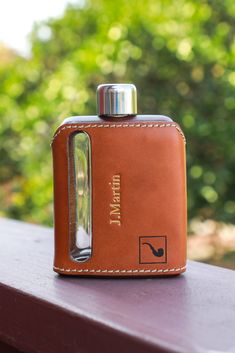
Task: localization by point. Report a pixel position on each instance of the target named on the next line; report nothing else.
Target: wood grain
(41, 311)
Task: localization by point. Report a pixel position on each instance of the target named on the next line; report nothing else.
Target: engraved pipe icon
(158, 253)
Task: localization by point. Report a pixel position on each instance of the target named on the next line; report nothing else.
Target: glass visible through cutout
(80, 197)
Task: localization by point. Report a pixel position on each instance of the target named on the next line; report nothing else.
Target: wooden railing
(41, 311)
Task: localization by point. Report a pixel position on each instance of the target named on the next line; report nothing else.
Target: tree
(179, 55)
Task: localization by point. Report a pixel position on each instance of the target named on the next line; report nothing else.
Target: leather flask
(119, 191)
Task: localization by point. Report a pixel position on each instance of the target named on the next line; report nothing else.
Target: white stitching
(119, 271)
(84, 126)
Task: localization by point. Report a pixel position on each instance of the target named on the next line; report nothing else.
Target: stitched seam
(120, 271)
(87, 126)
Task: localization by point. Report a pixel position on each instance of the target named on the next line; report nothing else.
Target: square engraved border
(165, 249)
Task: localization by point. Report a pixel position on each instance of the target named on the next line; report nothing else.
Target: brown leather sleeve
(150, 159)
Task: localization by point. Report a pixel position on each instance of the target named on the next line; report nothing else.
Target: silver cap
(117, 99)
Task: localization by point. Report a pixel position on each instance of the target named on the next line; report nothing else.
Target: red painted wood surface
(5, 348)
(41, 311)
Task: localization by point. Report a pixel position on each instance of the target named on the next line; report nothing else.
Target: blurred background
(181, 57)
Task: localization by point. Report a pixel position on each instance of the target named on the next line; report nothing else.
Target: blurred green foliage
(181, 56)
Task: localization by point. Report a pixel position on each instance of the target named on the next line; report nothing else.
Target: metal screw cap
(117, 99)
